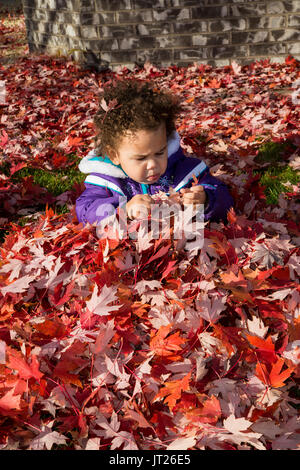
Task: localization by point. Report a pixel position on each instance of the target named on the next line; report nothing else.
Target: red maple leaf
(265, 349)
(26, 371)
(10, 401)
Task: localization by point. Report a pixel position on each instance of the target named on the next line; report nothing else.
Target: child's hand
(194, 195)
(139, 205)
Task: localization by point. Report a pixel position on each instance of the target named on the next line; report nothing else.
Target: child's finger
(195, 197)
(197, 188)
(192, 189)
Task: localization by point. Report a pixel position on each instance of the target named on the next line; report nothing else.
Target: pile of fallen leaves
(140, 343)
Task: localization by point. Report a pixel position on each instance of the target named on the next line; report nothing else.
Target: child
(139, 154)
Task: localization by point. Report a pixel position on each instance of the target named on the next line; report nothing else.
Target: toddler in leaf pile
(138, 153)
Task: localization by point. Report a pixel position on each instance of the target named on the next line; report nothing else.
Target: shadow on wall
(89, 60)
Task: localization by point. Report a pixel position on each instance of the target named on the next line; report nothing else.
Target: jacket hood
(94, 164)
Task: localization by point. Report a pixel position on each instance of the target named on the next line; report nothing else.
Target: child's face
(143, 155)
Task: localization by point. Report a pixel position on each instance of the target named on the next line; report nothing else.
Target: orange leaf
(261, 343)
(273, 378)
(172, 390)
(51, 328)
(210, 412)
(214, 83)
(38, 234)
(25, 371)
(10, 401)
(234, 279)
(6, 311)
(239, 133)
(74, 141)
(166, 346)
(265, 348)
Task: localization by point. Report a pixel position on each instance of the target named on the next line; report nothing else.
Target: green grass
(274, 178)
(272, 152)
(56, 182)
(274, 175)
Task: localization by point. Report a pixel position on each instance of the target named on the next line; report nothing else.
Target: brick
(247, 10)
(191, 27)
(119, 56)
(284, 35)
(72, 32)
(134, 16)
(266, 22)
(209, 12)
(58, 29)
(275, 7)
(209, 40)
(282, 7)
(116, 31)
(187, 63)
(58, 41)
(61, 17)
(89, 32)
(97, 18)
(128, 43)
(107, 45)
(113, 5)
(46, 4)
(79, 43)
(142, 30)
(162, 28)
(293, 49)
(249, 37)
(194, 54)
(227, 25)
(174, 41)
(155, 4)
(28, 3)
(228, 52)
(155, 56)
(147, 42)
(162, 14)
(61, 4)
(40, 15)
(294, 20)
(84, 4)
(195, 3)
(218, 62)
(242, 60)
(267, 49)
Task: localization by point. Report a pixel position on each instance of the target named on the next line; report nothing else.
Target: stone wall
(10, 6)
(164, 32)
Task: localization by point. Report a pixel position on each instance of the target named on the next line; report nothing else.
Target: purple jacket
(106, 182)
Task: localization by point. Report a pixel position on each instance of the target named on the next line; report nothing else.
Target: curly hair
(131, 105)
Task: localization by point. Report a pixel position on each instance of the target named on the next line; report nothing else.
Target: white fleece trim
(97, 166)
(173, 143)
(98, 181)
(87, 165)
